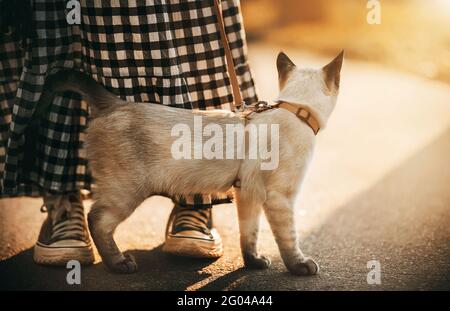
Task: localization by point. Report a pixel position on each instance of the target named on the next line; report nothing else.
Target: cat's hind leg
(249, 214)
(279, 211)
(103, 220)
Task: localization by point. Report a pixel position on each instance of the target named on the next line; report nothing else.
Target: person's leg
(39, 155)
(190, 230)
(64, 235)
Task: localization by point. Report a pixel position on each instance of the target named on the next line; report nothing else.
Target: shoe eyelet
(44, 209)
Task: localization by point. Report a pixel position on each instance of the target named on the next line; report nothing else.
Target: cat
(128, 146)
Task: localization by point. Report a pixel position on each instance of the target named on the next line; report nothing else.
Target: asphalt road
(378, 189)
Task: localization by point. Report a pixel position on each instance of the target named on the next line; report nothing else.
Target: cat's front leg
(249, 214)
(279, 210)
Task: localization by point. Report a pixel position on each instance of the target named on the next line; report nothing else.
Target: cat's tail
(95, 94)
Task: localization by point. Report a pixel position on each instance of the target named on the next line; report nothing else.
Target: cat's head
(316, 89)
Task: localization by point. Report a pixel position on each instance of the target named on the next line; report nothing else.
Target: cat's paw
(126, 266)
(256, 261)
(304, 268)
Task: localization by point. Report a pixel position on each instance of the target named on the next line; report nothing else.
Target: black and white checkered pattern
(167, 52)
(11, 63)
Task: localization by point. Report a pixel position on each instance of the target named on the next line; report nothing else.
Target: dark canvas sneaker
(190, 233)
(64, 234)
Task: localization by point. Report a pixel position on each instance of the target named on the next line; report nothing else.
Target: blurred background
(414, 35)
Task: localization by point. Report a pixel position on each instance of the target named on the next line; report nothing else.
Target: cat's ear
(332, 73)
(284, 66)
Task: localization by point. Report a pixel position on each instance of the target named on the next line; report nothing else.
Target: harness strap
(303, 114)
(300, 112)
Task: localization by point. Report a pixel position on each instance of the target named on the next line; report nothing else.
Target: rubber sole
(193, 247)
(59, 256)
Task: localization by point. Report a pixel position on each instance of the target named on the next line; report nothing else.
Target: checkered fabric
(11, 63)
(166, 52)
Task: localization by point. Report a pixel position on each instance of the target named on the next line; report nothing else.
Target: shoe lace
(184, 218)
(67, 215)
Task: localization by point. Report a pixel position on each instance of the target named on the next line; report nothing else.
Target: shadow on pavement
(157, 271)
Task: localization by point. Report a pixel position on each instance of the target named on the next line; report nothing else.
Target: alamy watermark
(73, 16)
(227, 141)
(374, 275)
(374, 13)
(73, 277)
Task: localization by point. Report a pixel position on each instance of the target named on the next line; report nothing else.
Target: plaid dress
(160, 51)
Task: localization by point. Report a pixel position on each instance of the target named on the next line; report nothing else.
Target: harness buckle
(262, 106)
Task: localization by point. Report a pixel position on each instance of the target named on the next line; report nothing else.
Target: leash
(301, 113)
(238, 103)
(237, 96)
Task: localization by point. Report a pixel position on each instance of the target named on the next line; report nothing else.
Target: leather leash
(237, 97)
(238, 103)
(301, 113)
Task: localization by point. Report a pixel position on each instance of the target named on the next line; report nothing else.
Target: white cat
(129, 151)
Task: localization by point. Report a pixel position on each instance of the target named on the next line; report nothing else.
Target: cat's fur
(129, 151)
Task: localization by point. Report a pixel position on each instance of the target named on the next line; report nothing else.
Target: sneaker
(64, 234)
(190, 233)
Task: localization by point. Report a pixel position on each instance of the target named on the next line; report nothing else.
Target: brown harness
(300, 112)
